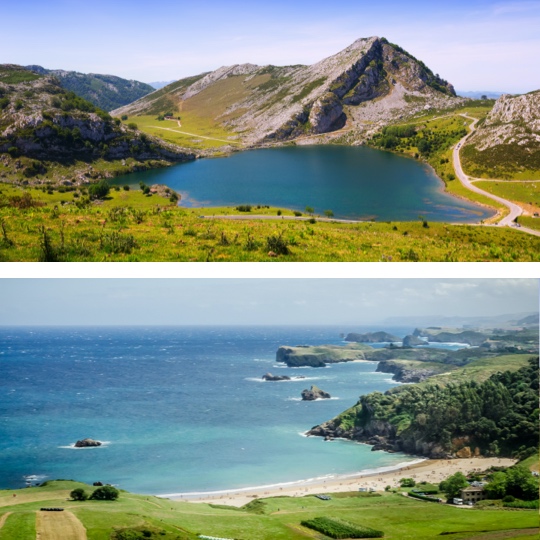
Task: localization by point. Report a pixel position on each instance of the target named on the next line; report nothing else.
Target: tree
(309, 210)
(105, 493)
(99, 190)
(407, 482)
(329, 213)
(496, 489)
(521, 484)
(453, 485)
(78, 494)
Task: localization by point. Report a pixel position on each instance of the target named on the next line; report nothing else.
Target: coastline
(422, 469)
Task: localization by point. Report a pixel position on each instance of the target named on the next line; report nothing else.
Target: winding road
(514, 210)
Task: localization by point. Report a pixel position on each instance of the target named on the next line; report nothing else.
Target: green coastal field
(133, 517)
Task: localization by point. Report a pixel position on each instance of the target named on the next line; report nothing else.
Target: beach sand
(429, 470)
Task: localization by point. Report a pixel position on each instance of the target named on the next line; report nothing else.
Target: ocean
(179, 409)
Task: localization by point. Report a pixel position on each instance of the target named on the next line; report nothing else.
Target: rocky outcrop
(41, 121)
(405, 372)
(85, 443)
(270, 377)
(327, 114)
(314, 393)
(372, 337)
(508, 141)
(412, 341)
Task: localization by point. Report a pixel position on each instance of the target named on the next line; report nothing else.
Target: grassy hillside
(134, 517)
(130, 226)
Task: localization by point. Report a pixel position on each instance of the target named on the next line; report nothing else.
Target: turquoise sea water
(180, 409)
(353, 182)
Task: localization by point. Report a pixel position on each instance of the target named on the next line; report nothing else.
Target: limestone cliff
(508, 141)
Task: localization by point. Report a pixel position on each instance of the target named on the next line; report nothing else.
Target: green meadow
(134, 516)
(130, 226)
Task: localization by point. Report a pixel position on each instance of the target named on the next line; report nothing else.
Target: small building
(473, 494)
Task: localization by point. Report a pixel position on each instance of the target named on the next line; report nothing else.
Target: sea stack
(85, 443)
(314, 393)
(270, 377)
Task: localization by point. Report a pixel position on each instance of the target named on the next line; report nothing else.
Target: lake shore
(428, 470)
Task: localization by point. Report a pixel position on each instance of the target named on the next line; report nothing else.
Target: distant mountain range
(368, 84)
(105, 91)
(159, 84)
(479, 94)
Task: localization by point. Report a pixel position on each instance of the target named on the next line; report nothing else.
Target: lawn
(527, 193)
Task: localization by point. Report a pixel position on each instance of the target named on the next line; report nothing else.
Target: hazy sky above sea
(474, 44)
(257, 301)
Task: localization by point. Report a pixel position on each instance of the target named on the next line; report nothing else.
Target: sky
(477, 45)
(257, 301)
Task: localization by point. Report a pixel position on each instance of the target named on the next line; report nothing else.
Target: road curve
(515, 210)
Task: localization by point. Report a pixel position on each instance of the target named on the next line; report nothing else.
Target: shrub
(279, 212)
(297, 213)
(244, 208)
(338, 528)
(532, 505)
(124, 117)
(78, 494)
(99, 190)
(277, 245)
(105, 493)
(115, 242)
(126, 188)
(132, 125)
(407, 482)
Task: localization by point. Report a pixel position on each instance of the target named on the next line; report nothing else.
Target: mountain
(507, 142)
(105, 91)
(369, 83)
(41, 123)
(159, 84)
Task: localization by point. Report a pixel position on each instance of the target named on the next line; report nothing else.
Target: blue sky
(257, 301)
(475, 44)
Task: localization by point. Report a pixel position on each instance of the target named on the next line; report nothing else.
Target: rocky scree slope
(42, 121)
(508, 140)
(107, 92)
(368, 84)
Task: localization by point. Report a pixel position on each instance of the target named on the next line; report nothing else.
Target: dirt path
(3, 518)
(514, 210)
(195, 135)
(59, 526)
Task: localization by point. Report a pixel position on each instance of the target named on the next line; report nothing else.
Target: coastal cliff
(456, 420)
(319, 356)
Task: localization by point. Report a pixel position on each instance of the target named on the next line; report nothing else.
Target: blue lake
(354, 182)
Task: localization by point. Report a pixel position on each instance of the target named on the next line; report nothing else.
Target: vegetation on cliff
(43, 125)
(499, 416)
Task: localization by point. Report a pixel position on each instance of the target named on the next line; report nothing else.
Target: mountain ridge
(370, 82)
(107, 92)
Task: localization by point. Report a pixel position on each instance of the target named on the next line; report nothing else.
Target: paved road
(514, 210)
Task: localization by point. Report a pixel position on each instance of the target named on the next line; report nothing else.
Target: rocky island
(86, 443)
(314, 393)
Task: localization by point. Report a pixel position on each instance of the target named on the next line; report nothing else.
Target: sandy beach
(429, 470)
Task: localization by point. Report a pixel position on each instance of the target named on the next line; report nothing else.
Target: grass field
(400, 518)
(132, 227)
(481, 369)
(527, 193)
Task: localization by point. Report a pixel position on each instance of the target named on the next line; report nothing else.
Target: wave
(35, 477)
(72, 446)
(292, 379)
(318, 399)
